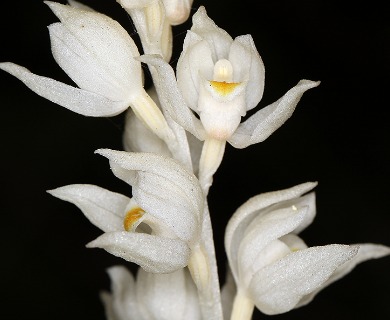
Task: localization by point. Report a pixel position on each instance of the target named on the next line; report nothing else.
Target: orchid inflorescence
(174, 141)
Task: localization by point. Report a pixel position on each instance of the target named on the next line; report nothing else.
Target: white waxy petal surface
(278, 287)
(264, 122)
(163, 188)
(106, 40)
(171, 296)
(75, 99)
(248, 66)
(103, 208)
(240, 220)
(123, 294)
(152, 253)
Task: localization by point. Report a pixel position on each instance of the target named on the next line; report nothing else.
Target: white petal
(171, 296)
(278, 287)
(262, 231)
(248, 66)
(238, 223)
(195, 63)
(85, 69)
(367, 251)
(152, 253)
(106, 40)
(219, 40)
(123, 297)
(105, 209)
(107, 302)
(77, 100)
(267, 120)
(171, 98)
(134, 4)
(163, 188)
(177, 11)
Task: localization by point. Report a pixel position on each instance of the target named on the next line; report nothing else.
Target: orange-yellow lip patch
(224, 88)
(131, 217)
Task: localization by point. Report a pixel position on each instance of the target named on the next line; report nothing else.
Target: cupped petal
(171, 98)
(83, 68)
(194, 64)
(266, 121)
(367, 251)
(121, 303)
(171, 296)
(277, 288)
(106, 40)
(77, 100)
(248, 66)
(240, 220)
(260, 233)
(219, 40)
(105, 209)
(162, 188)
(152, 253)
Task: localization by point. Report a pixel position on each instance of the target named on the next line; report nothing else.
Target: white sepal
(266, 121)
(103, 208)
(278, 287)
(152, 253)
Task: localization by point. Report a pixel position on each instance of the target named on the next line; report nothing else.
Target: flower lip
(133, 218)
(223, 88)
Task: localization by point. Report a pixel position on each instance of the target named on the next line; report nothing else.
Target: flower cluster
(174, 141)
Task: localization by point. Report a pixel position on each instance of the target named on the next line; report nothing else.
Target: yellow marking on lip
(131, 217)
(224, 88)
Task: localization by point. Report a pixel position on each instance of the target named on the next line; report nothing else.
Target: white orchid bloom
(221, 79)
(273, 268)
(159, 226)
(98, 55)
(151, 296)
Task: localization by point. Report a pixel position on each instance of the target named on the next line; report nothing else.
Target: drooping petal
(122, 300)
(367, 251)
(171, 98)
(105, 209)
(264, 122)
(248, 66)
(240, 220)
(171, 296)
(77, 100)
(162, 188)
(277, 288)
(152, 253)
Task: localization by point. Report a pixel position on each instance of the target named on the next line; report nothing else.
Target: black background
(338, 136)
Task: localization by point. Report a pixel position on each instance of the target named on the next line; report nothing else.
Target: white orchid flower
(150, 296)
(159, 226)
(221, 79)
(98, 55)
(272, 267)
